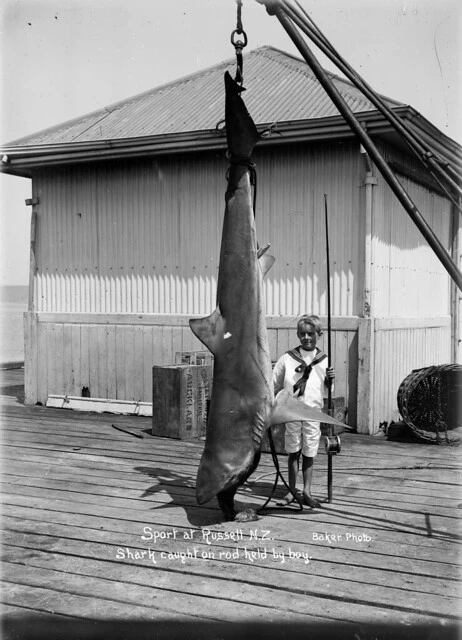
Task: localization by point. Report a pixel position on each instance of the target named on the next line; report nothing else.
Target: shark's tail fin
(241, 132)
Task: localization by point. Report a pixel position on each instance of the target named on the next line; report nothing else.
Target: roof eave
(23, 160)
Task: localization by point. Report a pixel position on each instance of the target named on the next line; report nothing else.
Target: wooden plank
(423, 322)
(325, 520)
(404, 555)
(442, 560)
(39, 597)
(100, 405)
(394, 470)
(339, 323)
(157, 357)
(411, 501)
(160, 601)
(93, 354)
(138, 364)
(84, 358)
(110, 485)
(120, 362)
(49, 357)
(260, 595)
(287, 338)
(32, 260)
(68, 372)
(147, 364)
(347, 461)
(373, 450)
(340, 362)
(102, 363)
(401, 473)
(131, 392)
(313, 577)
(330, 516)
(365, 413)
(272, 340)
(42, 364)
(348, 464)
(177, 340)
(376, 449)
(111, 350)
(104, 469)
(427, 523)
(149, 595)
(76, 360)
(399, 479)
(31, 358)
(167, 345)
(348, 554)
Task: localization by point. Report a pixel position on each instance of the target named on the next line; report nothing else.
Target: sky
(61, 59)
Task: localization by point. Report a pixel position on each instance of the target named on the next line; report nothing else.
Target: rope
(249, 163)
(278, 475)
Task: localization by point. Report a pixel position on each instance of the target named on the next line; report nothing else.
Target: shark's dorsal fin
(263, 250)
(266, 262)
(210, 330)
(286, 408)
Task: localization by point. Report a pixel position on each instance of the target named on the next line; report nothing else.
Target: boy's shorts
(302, 435)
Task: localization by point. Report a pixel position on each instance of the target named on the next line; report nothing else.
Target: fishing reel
(332, 445)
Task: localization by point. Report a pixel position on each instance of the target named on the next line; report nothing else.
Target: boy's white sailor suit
(296, 372)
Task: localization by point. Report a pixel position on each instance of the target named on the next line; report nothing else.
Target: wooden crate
(278, 430)
(180, 394)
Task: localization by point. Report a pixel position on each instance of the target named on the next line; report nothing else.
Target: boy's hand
(330, 375)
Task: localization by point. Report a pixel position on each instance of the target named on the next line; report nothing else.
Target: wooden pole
(32, 260)
(274, 8)
(424, 154)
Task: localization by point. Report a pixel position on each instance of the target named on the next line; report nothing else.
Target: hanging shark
(242, 405)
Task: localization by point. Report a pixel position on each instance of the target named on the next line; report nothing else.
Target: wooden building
(126, 227)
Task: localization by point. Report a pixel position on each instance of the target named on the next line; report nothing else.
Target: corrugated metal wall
(136, 238)
(409, 279)
(143, 237)
(398, 350)
(290, 215)
(411, 288)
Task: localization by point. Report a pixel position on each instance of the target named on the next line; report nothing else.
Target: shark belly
(242, 388)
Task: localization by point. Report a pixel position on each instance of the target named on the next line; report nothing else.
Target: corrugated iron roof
(281, 88)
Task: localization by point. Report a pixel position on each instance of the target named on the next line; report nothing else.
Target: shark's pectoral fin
(266, 262)
(287, 409)
(210, 330)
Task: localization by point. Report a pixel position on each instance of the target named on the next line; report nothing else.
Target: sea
(13, 304)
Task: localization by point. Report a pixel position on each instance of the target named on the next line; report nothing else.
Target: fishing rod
(329, 319)
(332, 441)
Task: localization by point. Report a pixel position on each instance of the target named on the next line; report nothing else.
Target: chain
(239, 44)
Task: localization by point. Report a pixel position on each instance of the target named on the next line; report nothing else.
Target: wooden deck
(381, 561)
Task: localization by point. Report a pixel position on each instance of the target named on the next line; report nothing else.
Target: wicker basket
(429, 401)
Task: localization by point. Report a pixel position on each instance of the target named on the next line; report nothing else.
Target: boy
(304, 372)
